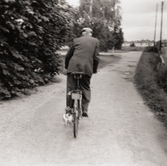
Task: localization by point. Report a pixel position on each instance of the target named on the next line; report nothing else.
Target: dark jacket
(82, 56)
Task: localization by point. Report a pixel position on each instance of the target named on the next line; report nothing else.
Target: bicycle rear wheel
(75, 126)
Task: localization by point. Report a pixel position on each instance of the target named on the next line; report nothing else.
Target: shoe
(84, 114)
(68, 110)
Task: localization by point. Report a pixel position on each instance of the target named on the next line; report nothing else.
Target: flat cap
(87, 30)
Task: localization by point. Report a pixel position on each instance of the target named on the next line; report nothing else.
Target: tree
(119, 39)
(30, 33)
(103, 17)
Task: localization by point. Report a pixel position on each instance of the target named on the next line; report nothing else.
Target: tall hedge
(30, 33)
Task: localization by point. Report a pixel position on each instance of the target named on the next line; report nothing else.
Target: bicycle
(76, 102)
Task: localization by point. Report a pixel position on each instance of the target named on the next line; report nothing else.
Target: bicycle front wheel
(75, 126)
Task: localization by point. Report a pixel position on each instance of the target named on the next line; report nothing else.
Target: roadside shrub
(161, 78)
(151, 49)
(133, 45)
(148, 84)
(30, 33)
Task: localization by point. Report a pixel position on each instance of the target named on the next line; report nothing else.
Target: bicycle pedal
(68, 110)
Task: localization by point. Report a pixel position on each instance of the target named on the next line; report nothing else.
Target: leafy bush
(151, 49)
(146, 80)
(30, 33)
(133, 45)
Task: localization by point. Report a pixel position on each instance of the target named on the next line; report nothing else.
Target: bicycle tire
(79, 109)
(75, 126)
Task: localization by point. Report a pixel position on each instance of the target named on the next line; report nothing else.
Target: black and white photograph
(83, 82)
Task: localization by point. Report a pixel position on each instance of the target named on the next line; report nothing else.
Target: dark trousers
(85, 87)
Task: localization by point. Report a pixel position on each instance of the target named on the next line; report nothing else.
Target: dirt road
(120, 131)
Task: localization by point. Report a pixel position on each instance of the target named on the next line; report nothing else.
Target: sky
(138, 19)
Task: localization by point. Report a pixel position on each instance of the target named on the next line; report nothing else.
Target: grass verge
(148, 84)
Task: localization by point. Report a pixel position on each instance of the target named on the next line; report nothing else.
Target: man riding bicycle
(82, 57)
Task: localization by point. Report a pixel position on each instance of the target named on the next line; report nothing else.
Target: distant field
(133, 48)
(105, 57)
(123, 50)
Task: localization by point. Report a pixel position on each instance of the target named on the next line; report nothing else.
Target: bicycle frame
(76, 96)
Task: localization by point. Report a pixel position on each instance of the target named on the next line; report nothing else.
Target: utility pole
(91, 4)
(162, 5)
(155, 25)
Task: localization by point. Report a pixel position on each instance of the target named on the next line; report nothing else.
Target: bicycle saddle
(77, 73)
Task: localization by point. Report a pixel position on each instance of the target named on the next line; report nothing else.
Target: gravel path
(120, 130)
